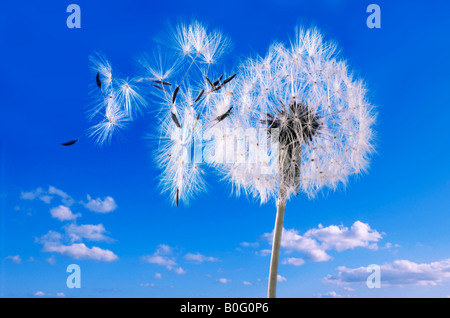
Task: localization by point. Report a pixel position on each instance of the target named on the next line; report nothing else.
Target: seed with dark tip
(174, 97)
(210, 83)
(69, 143)
(161, 82)
(158, 87)
(199, 95)
(99, 82)
(175, 119)
(218, 81)
(228, 79)
(225, 115)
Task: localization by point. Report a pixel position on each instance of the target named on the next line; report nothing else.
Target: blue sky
(101, 208)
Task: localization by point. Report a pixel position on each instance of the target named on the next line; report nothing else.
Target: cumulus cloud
(294, 261)
(70, 244)
(331, 294)
(199, 258)
(162, 257)
(31, 195)
(315, 243)
(65, 198)
(52, 242)
(223, 280)
(40, 293)
(281, 279)
(100, 206)
(51, 260)
(342, 238)
(47, 196)
(81, 251)
(398, 273)
(63, 213)
(159, 260)
(249, 244)
(91, 232)
(16, 259)
(179, 271)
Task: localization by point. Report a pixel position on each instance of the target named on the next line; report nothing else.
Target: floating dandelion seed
(115, 120)
(119, 101)
(69, 143)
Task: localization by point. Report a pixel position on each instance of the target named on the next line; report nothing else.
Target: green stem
(273, 274)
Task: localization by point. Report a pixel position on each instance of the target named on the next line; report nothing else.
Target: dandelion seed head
(323, 119)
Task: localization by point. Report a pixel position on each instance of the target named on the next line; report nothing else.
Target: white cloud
(331, 294)
(46, 198)
(100, 206)
(342, 238)
(163, 249)
(81, 251)
(291, 240)
(51, 260)
(159, 260)
(248, 244)
(65, 198)
(162, 257)
(246, 283)
(39, 294)
(315, 243)
(398, 273)
(199, 258)
(60, 295)
(52, 243)
(281, 279)
(16, 259)
(31, 195)
(158, 275)
(389, 245)
(294, 261)
(91, 232)
(223, 280)
(179, 271)
(63, 213)
(265, 252)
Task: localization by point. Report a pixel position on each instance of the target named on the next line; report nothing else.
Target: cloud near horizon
(399, 273)
(315, 242)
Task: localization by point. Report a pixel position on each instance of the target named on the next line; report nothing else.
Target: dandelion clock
(316, 126)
